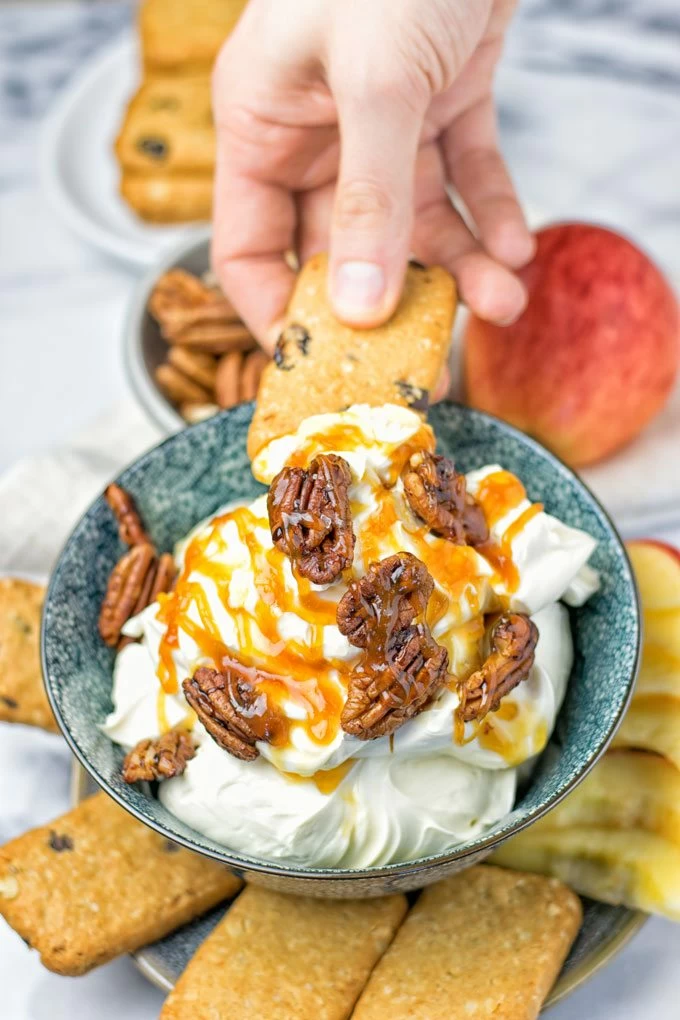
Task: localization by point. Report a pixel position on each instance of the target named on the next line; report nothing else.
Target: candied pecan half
(437, 494)
(160, 577)
(130, 527)
(126, 585)
(162, 758)
(234, 713)
(513, 648)
(387, 689)
(310, 517)
(389, 596)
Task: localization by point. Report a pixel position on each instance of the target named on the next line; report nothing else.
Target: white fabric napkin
(42, 497)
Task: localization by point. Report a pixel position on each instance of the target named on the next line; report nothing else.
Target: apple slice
(652, 723)
(626, 790)
(634, 868)
(662, 629)
(657, 571)
(659, 672)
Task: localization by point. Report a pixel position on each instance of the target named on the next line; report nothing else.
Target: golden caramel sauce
(454, 568)
(342, 436)
(373, 531)
(498, 494)
(161, 713)
(520, 523)
(293, 670)
(527, 735)
(423, 439)
(499, 557)
(437, 608)
(328, 780)
(296, 672)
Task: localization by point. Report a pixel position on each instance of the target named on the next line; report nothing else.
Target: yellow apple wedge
(633, 868)
(662, 629)
(657, 571)
(626, 790)
(659, 672)
(652, 723)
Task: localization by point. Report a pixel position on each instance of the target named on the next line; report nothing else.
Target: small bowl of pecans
(188, 354)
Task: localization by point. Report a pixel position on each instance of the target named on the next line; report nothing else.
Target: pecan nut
(513, 649)
(162, 758)
(130, 527)
(135, 582)
(126, 585)
(402, 667)
(232, 710)
(391, 594)
(310, 517)
(198, 316)
(385, 692)
(437, 494)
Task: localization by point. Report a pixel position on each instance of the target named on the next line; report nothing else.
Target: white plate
(79, 170)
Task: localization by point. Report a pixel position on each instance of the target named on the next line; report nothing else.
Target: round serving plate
(604, 933)
(78, 166)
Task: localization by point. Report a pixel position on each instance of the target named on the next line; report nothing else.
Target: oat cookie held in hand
(322, 365)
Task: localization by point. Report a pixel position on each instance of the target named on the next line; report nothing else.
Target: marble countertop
(588, 93)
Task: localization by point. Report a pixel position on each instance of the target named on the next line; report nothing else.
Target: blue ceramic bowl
(194, 472)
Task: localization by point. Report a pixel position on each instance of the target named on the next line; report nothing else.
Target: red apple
(593, 357)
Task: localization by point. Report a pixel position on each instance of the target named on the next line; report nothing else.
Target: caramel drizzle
(498, 494)
(344, 437)
(299, 672)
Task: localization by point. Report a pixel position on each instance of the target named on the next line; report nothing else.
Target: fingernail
(359, 287)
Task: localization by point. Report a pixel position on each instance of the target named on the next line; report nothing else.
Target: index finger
(253, 228)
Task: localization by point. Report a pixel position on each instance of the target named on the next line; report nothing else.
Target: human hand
(340, 124)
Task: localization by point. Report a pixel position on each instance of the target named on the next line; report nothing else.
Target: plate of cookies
(80, 173)
(129, 148)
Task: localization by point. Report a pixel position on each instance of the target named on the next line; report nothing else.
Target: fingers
(373, 208)
(443, 386)
(489, 289)
(253, 228)
(478, 172)
(441, 237)
(314, 212)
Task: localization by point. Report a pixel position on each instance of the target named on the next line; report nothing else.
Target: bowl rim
(157, 407)
(394, 870)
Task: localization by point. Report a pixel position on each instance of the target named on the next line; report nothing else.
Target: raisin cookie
(322, 365)
(22, 694)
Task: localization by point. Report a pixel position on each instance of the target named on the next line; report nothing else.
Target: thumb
(373, 209)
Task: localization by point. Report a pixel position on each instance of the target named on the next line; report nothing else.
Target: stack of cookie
(166, 145)
(213, 360)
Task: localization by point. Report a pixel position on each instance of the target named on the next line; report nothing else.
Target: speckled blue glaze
(188, 477)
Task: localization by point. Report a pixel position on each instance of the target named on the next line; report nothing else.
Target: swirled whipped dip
(317, 795)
